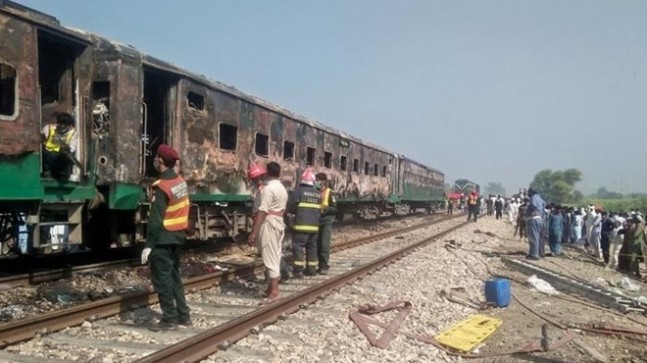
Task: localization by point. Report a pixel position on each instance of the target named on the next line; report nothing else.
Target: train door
(156, 116)
(60, 91)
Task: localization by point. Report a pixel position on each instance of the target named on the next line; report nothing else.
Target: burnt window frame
(188, 101)
(384, 171)
(267, 143)
(367, 168)
(327, 160)
(293, 148)
(376, 170)
(343, 162)
(314, 156)
(220, 125)
(356, 166)
(16, 95)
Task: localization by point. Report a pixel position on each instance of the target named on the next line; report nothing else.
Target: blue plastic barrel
(497, 291)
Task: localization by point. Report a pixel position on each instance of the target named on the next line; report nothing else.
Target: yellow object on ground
(468, 333)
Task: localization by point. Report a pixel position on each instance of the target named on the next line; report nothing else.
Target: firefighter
(168, 221)
(328, 212)
(305, 203)
(473, 206)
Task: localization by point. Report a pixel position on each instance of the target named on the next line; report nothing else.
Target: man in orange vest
(167, 224)
(473, 205)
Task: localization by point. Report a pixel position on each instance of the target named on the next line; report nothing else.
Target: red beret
(168, 153)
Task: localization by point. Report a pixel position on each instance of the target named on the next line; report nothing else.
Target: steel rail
(38, 277)
(24, 329)
(208, 342)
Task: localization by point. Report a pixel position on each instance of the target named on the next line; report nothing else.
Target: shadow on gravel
(533, 358)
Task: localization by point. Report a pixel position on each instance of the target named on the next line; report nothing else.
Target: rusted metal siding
(206, 167)
(18, 49)
(118, 153)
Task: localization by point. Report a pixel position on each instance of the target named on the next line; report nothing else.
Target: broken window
(195, 101)
(101, 107)
(228, 137)
(310, 156)
(375, 169)
(327, 159)
(8, 91)
(366, 168)
(288, 150)
(384, 170)
(356, 165)
(262, 145)
(343, 161)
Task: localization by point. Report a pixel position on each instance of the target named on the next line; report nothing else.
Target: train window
(262, 145)
(365, 168)
(195, 101)
(343, 161)
(8, 91)
(384, 170)
(375, 169)
(327, 159)
(310, 156)
(288, 150)
(228, 137)
(356, 165)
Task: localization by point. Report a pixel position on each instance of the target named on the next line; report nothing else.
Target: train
(465, 186)
(125, 104)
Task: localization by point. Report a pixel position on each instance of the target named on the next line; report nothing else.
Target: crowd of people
(616, 238)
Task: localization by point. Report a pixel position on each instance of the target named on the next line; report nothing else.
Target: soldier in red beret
(168, 221)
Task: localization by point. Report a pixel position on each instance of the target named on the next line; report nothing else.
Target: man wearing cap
(328, 213)
(269, 227)
(305, 203)
(167, 224)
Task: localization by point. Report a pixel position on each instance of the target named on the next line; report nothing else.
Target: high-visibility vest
(176, 217)
(325, 194)
(54, 141)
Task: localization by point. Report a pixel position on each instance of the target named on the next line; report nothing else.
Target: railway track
(87, 314)
(38, 277)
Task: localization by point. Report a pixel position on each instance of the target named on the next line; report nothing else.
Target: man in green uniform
(167, 224)
(328, 212)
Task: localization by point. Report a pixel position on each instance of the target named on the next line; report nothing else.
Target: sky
(488, 90)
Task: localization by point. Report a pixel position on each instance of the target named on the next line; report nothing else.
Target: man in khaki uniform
(270, 228)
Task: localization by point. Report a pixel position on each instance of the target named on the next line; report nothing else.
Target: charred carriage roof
(118, 48)
(43, 21)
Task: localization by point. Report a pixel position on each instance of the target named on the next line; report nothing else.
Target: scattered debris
(628, 285)
(541, 285)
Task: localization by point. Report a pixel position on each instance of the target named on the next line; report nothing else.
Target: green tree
(603, 193)
(493, 188)
(577, 196)
(557, 186)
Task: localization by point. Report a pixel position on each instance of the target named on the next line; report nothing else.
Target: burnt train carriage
(127, 103)
(44, 69)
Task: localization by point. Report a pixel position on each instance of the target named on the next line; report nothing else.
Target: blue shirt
(536, 207)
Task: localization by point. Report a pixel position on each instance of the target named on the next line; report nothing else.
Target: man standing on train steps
(168, 221)
(270, 227)
(328, 212)
(305, 202)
